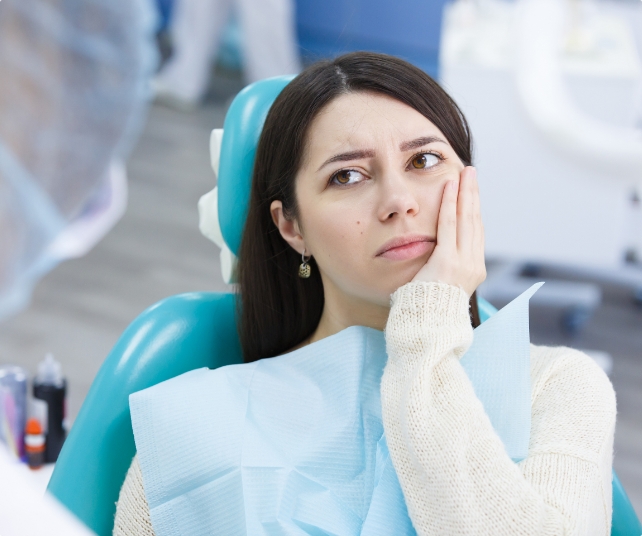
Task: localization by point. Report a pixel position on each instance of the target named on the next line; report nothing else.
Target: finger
(479, 230)
(447, 222)
(476, 198)
(465, 211)
(477, 217)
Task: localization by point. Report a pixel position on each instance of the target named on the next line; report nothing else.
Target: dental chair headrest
(223, 210)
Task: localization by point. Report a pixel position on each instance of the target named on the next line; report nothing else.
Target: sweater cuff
(428, 316)
(433, 304)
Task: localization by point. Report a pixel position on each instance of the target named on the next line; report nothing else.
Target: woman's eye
(347, 176)
(424, 161)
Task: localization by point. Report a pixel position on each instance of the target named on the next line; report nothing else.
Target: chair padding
(178, 334)
(241, 132)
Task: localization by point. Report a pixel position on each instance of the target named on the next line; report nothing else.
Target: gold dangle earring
(304, 268)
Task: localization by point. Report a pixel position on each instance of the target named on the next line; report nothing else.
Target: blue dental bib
(294, 445)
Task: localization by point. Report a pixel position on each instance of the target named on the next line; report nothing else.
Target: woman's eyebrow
(345, 157)
(419, 142)
(369, 153)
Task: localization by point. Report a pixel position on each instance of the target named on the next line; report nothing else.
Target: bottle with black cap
(50, 386)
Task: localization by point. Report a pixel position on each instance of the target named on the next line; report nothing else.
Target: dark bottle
(50, 387)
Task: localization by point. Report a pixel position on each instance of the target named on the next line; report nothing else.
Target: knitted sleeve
(132, 510)
(454, 472)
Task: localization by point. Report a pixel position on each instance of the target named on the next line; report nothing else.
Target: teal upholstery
(179, 334)
(242, 128)
(486, 309)
(625, 522)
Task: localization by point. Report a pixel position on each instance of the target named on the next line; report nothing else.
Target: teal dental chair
(182, 333)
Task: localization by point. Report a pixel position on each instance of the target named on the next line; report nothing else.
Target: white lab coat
(268, 47)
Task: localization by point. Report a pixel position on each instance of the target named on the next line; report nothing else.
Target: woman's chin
(403, 271)
(401, 275)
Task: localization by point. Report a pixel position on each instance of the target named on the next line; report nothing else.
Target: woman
(365, 212)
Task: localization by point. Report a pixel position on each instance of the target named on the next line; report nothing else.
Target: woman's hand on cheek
(458, 257)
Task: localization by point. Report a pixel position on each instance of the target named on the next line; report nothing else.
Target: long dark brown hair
(276, 309)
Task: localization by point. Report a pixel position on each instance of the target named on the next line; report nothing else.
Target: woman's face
(372, 178)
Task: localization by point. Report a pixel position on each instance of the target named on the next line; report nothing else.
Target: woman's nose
(396, 198)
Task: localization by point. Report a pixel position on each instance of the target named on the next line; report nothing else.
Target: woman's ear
(289, 229)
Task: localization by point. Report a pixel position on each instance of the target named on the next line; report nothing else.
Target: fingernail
(473, 172)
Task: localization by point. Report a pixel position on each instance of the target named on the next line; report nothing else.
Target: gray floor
(79, 310)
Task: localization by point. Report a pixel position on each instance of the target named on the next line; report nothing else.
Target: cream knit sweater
(454, 472)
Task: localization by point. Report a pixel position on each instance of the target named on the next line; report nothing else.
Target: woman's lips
(411, 250)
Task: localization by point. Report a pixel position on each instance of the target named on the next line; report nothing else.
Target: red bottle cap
(33, 427)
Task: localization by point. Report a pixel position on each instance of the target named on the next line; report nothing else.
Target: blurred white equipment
(268, 42)
(551, 89)
(25, 508)
(208, 213)
(74, 89)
